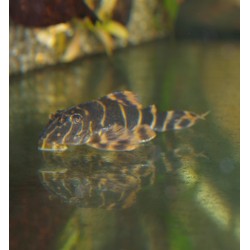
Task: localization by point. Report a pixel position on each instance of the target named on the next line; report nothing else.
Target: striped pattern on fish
(116, 122)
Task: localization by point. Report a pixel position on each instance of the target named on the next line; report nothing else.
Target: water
(180, 191)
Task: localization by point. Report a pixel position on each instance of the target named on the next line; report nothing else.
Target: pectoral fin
(118, 138)
(143, 133)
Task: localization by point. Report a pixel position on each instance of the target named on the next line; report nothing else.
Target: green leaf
(172, 7)
(116, 29)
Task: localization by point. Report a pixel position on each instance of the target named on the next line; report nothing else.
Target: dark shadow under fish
(85, 177)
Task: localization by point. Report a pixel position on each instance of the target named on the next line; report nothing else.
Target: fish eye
(76, 118)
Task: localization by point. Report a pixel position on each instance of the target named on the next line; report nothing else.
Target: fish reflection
(90, 178)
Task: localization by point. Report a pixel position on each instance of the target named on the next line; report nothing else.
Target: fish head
(65, 128)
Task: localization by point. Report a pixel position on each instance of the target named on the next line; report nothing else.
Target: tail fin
(173, 120)
(169, 120)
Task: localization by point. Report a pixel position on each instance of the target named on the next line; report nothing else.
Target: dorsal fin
(125, 98)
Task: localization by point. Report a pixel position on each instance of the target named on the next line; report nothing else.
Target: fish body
(115, 122)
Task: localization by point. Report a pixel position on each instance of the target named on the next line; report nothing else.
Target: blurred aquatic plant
(172, 7)
(107, 28)
(66, 39)
(67, 44)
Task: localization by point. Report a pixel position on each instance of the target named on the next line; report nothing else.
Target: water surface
(180, 191)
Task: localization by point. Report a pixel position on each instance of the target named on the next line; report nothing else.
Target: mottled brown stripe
(95, 138)
(139, 121)
(124, 115)
(147, 116)
(185, 123)
(95, 112)
(67, 134)
(125, 98)
(167, 119)
(102, 145)
(104, 112)
(142, 132)
(132, 115)
(154, 113)
(174, 120)
(160, 119)
(113, 112)
(129, 98)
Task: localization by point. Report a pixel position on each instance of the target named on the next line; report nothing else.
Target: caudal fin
(173, 120)
(169, 120)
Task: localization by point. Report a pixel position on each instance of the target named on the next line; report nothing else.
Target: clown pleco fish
(115, 122)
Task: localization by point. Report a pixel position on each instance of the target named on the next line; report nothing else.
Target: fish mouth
(45, 146)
